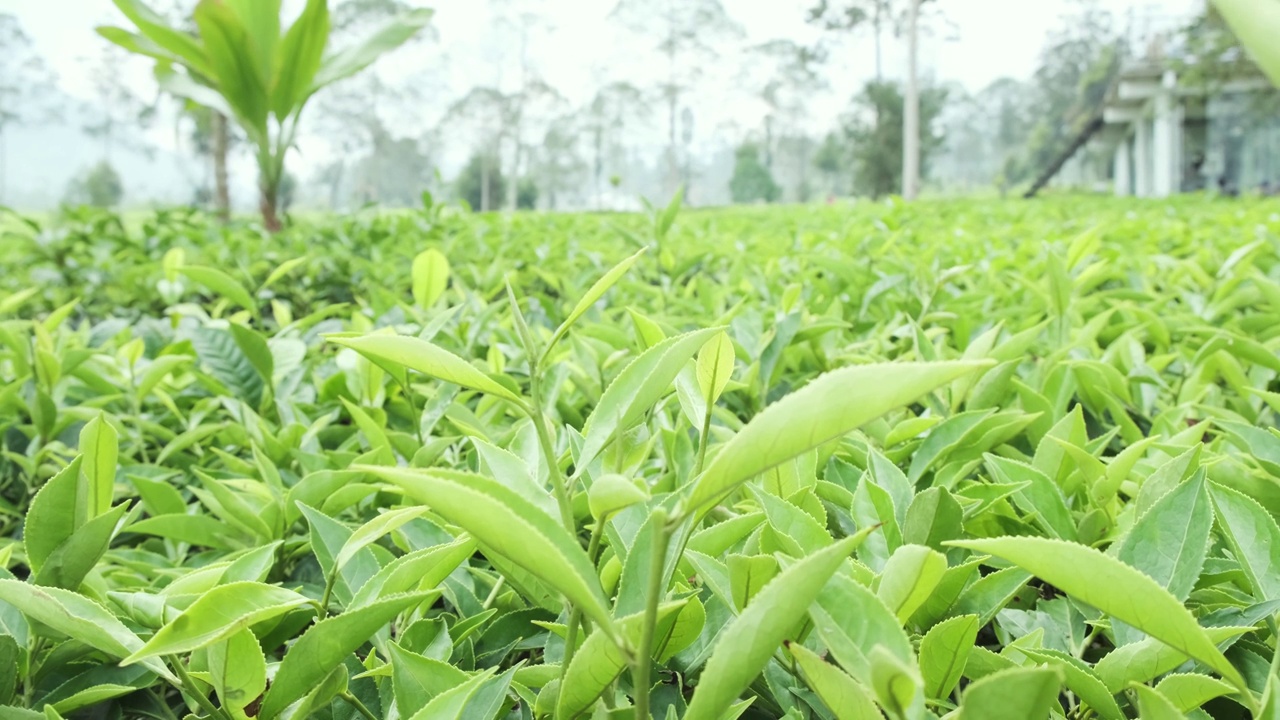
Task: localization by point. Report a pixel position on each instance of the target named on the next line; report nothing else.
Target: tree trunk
(877, 26)
(268, 203)
(911, 111)
(484, 184)
(222, 189)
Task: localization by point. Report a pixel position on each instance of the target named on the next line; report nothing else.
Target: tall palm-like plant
(242, 63)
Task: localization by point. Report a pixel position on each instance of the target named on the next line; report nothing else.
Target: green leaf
(845, 697)
(1188, 691)
(426, 358)
(199, 530)
(255, 350)
(600, 660)
(56, 511)
(326, 644)
(748, 642)
(1152, 705)
(612, 493)
(1257, 24)
(1114, 588)
(1149, 658)
(262, 20)
(227, 363)
(1013, 694)
(370, 532)
(416, 679)
(1253, 536)
(852, 621)
(592, 296)
(640, 384)
(1171, 553)
(238, 669)
(430, 277)
(944, 650)
(360, 55)
(933, 517)
(182, 45)
(715, 367)
(299, 59)
(218, 281)
(1079, 679)
(217, 615)
(100, 445)
(909, 577)
(76, 616)
(69, 564)
(826, 409)
(507, 524)
(419, 570)
(228, 46)
(287, 266)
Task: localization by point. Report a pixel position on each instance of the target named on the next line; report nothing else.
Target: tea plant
(948, 460)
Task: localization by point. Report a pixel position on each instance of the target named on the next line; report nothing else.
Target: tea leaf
(326, 644)
(751, 639)
(1114, 588)
(816, 414)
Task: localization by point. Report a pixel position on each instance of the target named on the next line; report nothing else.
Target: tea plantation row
(973, 460)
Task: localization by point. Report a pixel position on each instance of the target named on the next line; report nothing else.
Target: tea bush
(953, 459)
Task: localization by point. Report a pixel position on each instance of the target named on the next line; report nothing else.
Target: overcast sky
(576, 50)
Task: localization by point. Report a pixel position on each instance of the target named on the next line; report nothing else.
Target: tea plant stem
(493, 593)
(543, 429)
(329, 582)
(354, 702)
(575, 615)
(653, 595)
(702, 440)
(189, 687)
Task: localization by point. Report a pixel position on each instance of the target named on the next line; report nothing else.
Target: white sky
(577, 50)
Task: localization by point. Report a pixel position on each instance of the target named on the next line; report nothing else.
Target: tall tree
(117, 108)
(617, 109)
(355, 116)
(847, 15)
(483, 120)
(786, 77)
(556, 166)
(688, 34)
(851, 14)
(25, 84)
(876, 146)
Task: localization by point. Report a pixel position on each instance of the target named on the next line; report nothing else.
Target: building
(1171, 136)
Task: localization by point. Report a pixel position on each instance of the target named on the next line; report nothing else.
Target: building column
(1123, 178)
(1142, 163)
(1166, 142)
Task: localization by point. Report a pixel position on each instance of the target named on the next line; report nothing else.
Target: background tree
(481, 119)
(556, 167)
(372, 113)
(876, 147)
(481, 182)
(117, 109)
(787, 77)
(832, 160)
(616, 110)
(24, 84)
(689, 34)
(100, 186)
(852, 14)
(752, 181)
(243, 63)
